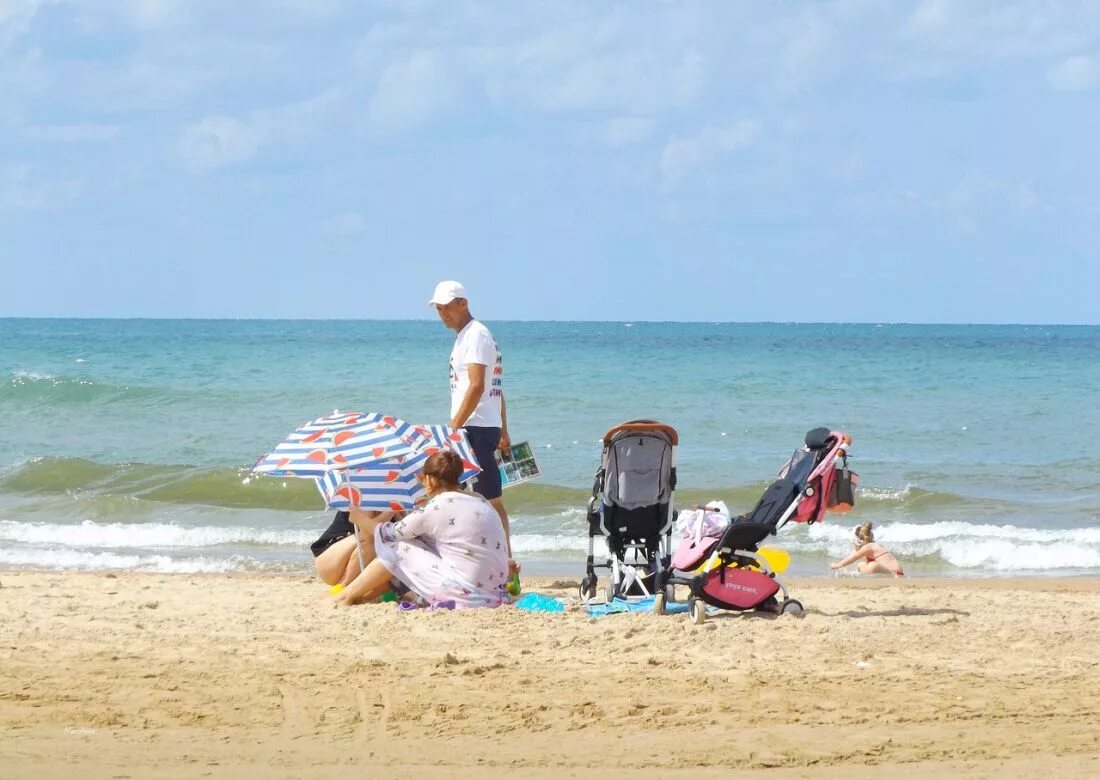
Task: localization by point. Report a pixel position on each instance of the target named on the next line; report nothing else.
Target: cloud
(682, 155)
(15, 18)
(978, 198)
(343, 225)
(626, 130)
(602, 69)
(630, 80)
(219, 140)
(413, 90)
(999, 29)
(21, 189)
(77, 133)
(157, 14)
(1075, 74)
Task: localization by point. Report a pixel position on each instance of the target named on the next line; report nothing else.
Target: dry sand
(150, 676)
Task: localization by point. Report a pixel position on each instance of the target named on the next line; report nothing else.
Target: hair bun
(445, 466)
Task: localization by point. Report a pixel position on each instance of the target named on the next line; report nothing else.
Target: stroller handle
(639, 426)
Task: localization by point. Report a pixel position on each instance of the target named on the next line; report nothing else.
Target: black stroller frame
(632, 508)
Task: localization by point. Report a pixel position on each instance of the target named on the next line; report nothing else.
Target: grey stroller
(631, 507)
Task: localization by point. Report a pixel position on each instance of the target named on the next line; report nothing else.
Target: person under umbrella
(367, 459)
(452, 548)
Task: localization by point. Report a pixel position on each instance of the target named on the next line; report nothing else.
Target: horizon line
(612, 321)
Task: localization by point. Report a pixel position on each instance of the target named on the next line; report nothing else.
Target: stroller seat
(746, 535)
(690, 554)
(739, 535)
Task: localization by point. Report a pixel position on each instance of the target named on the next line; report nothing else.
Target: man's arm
(470, 401)
(505, 439)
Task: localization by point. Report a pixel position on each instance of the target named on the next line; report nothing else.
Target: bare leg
(333, 564)
(353, 567)
(873, 567)
(498, 505)
(339, 564)
(371, 583)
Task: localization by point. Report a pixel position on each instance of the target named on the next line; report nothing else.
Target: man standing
(477, 393)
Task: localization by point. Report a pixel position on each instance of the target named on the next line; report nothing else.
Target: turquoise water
(127, 442)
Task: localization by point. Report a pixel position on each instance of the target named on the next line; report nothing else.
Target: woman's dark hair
(445, 466)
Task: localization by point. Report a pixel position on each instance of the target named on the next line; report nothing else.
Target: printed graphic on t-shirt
(498, 376)
(474, 344)
(496, 387)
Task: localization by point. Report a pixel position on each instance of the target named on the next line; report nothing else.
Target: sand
(151, 676)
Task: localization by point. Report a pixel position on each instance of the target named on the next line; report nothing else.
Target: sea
(127, 444)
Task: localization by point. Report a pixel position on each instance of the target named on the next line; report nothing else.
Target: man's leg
(498, 504)
(484, 442)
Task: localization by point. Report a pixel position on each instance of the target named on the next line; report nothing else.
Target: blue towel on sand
(633, 605)
(537, 602)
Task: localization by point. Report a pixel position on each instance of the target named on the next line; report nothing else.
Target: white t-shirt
(475, 344)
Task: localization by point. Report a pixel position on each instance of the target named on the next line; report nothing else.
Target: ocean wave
(89, 534)
(238, 487)
(91, 482)
(234, 487)
(82, 560)
(33, 388)
(997, 548)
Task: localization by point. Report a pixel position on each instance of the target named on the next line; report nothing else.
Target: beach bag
(842, 495)
(710, 520)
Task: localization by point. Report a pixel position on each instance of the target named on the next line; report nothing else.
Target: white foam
(77, 560)
(146, 546)
(554, 543)
(885, 494)
(999, 548)
(147, 535)
(917, 532)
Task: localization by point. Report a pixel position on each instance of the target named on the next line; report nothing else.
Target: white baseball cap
(445, 292)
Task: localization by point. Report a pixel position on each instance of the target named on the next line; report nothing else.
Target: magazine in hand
(519, 466)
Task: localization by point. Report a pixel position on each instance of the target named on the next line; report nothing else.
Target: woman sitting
(451, 549)
(335, 554)
(875, 559)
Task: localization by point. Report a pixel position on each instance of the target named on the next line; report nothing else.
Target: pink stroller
(733, 575)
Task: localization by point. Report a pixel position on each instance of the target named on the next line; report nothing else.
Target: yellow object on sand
(777, 559)
(335, 589)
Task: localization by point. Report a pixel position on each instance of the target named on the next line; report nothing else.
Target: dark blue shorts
(484, 442)
(340, 528)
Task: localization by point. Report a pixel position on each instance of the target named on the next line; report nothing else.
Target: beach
(191, 675)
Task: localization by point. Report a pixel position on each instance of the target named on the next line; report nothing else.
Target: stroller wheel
(794, 608)
(659, 603)
(698, 611)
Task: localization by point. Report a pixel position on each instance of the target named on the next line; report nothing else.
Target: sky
(931, 161)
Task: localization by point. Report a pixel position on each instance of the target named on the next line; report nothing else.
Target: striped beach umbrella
(439, 437)
(337, 442)
(394, 484)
